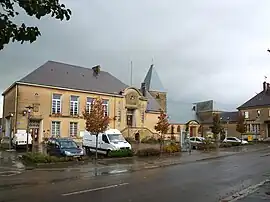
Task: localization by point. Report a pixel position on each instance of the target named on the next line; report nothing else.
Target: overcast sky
(202, 49)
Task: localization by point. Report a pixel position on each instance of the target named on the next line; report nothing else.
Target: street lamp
(28, 121)
(228, 119)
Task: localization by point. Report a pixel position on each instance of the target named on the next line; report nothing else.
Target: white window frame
(58, 109)
(73, 131)
(72, 106)
(105, 104)
(89, 102)
(54, 129)
(246, 114)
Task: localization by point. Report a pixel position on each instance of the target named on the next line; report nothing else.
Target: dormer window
(246, 115)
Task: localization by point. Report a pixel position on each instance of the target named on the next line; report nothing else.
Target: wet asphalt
(204, 181)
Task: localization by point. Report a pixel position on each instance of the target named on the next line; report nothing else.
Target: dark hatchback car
(64, 147)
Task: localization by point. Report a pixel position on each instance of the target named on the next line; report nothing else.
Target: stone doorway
(130, 117)
(34, 128)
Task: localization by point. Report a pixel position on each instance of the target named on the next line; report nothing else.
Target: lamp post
(228, 120)
(28, 121)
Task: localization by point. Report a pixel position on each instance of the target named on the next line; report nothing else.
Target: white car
(194, 141)
(234, 140)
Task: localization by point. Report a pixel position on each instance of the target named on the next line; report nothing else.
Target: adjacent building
(257, 113)
(58, 93)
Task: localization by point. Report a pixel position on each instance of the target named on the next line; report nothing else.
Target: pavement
(205, 181)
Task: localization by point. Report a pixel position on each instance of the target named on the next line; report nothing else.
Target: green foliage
(149, 140)
(148, 152)
(121, 153)
(9, 29)
(241, 126)
(206, 145)
(216, 127)
(172, 148)
(33, 158)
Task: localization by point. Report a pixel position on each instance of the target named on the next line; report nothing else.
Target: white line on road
(95, 189)
(244, 193)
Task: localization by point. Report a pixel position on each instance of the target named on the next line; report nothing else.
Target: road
(205, 181)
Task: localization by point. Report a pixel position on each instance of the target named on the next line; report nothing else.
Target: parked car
(20, 140)
(194, 141)
(64, 147)
(108, 141)
(234, 140)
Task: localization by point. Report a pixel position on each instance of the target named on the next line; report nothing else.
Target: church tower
(154, 86)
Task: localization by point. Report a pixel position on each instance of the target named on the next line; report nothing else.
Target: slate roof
(152, 81)
(152, 104)
(261, 99)
(62, 75)
(224, 115)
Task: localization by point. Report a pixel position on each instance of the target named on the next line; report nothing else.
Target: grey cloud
(201, 49)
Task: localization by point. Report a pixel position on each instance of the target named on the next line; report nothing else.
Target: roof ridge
(73, 65)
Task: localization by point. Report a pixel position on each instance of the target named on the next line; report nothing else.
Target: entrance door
(130, 113)
(34, 129)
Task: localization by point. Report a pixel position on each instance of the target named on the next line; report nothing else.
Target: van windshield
(68, 144)
(116, 137)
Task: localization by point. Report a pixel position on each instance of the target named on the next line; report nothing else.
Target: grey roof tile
(261, 99)
(152, 104)
(74, 77)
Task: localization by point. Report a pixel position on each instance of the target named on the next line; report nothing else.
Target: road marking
(244, 193)
(9, 173)
(95, 189)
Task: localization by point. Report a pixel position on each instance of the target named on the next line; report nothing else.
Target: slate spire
(152, 80)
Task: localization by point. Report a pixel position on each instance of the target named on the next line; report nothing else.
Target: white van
(110, 140)
(20, 140)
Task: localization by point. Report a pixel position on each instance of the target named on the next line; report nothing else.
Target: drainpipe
(16, 109)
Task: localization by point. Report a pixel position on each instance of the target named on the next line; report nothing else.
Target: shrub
(121, 153)
(150, 140)
(206, 145)
(130, 140)
(172, 148)
(225, 145)
(148, 152)
(41, 158)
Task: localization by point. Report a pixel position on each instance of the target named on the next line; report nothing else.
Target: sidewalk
(111, 166)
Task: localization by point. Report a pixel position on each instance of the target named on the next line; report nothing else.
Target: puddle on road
(9, 173)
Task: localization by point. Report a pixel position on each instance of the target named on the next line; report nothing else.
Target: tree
(216, 127)
(241, 126)
(96, 121)
(162, 127)
(10, 30)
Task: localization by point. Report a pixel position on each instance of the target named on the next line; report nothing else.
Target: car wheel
(108, 153)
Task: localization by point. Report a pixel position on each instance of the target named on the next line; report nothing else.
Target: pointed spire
(152, 80)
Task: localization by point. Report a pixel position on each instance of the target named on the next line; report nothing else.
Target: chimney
(143, 89)
(264, 86)
(96, 70)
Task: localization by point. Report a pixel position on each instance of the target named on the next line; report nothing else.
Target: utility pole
(28, 121)
(131, 72)
(10, 132)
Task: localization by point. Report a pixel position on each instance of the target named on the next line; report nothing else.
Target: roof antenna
(131, 67)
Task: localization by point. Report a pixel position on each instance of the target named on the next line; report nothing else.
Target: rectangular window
(74, 105)
(73, 129)
(106, 107)
(246, 115)
(55, 128)
(56, 103)
(258, 113)
(89, 102)
(269, 112)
